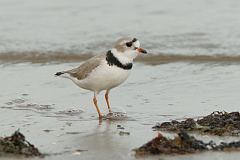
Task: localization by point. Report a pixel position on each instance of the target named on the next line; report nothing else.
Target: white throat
(124, 58)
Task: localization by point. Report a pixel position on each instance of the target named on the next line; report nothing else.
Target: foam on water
(116, 116)
(119, 113)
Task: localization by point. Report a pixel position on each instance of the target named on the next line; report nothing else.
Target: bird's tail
(62, 74)
(59, 73)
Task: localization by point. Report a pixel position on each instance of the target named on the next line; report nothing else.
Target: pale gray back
(87, 67)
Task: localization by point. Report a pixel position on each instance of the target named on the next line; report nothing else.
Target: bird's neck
(118, 60)
(122, 57)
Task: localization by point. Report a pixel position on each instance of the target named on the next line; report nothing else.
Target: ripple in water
(116, 116)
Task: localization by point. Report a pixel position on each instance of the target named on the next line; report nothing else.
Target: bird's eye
(129, 44)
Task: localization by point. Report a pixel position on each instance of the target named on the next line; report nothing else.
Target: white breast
(103, 77)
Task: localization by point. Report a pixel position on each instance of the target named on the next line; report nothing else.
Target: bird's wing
(87, 67)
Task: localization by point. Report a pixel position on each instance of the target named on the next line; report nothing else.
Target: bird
(104, 72)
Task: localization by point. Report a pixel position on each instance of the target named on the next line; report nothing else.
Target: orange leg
(96, 105)
(108, 104)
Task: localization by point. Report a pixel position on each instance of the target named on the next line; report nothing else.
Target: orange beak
(141, 50)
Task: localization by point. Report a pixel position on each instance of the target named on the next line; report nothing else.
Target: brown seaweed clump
(182, 144)
(16, 144)
(217, 123)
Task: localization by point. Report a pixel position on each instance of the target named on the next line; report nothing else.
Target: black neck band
(112, 60)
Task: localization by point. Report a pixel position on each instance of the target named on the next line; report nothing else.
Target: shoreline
(150, 59)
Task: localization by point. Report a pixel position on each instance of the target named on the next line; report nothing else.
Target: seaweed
(217, 123)
(183, 143)
(16, 144)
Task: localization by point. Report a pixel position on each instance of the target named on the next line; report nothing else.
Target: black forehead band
(134, 40)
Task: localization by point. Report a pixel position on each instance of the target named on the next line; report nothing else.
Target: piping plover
(106, 71)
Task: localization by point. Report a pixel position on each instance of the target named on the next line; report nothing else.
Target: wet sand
(60, 119)
(150, 59)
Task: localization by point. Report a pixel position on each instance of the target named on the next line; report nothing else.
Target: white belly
(103, 77)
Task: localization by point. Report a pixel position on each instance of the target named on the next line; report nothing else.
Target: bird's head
(127, 48)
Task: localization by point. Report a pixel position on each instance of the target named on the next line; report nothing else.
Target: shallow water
(183, 27)
(60, 119)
